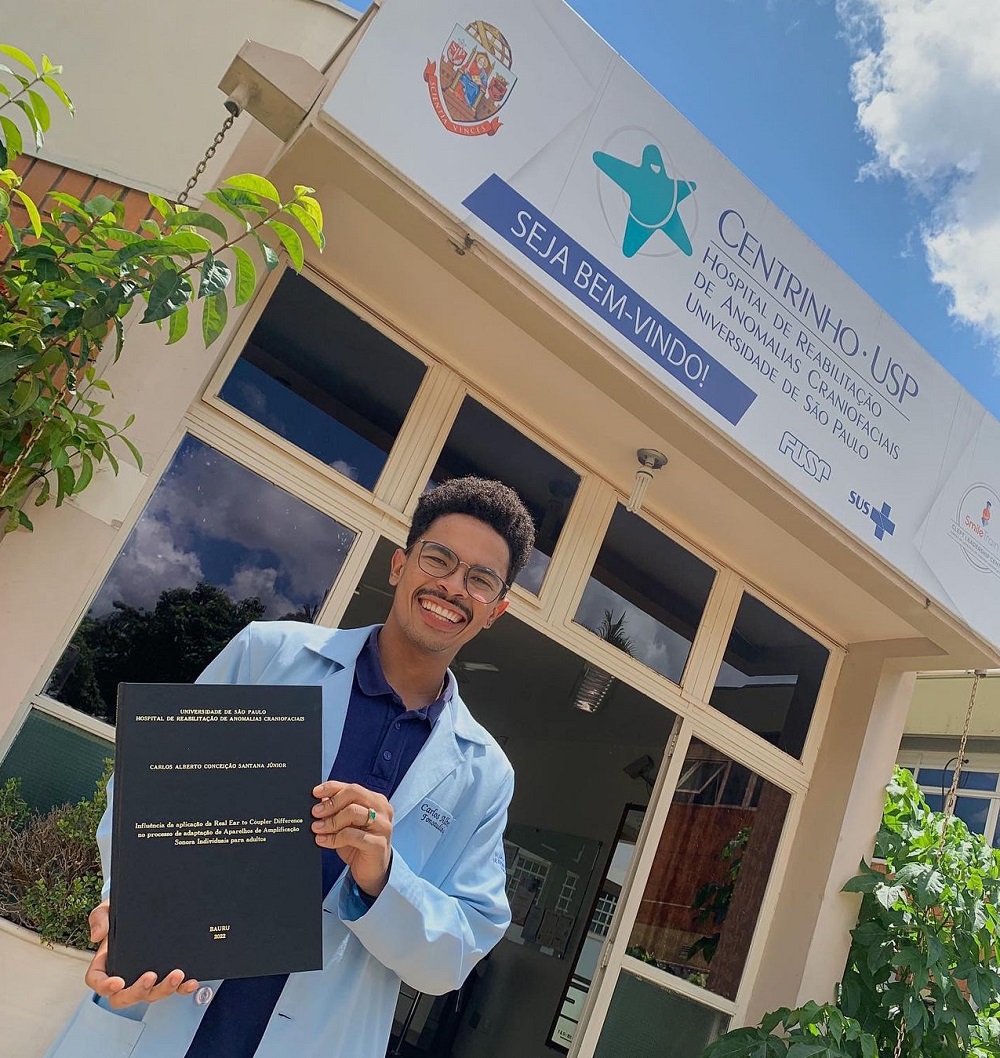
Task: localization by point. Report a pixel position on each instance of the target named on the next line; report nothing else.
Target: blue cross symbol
(883, 524)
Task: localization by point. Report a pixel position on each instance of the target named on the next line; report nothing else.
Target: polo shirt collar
(372, 682)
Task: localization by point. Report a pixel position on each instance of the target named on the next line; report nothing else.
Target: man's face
(436, 613)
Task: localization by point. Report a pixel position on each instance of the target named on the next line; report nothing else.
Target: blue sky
(769, 82)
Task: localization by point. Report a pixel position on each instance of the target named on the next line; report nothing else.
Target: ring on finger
(372, 816)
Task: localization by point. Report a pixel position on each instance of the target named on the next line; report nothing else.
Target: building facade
(702, 686)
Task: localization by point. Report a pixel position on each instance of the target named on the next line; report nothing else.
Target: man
(415, 806)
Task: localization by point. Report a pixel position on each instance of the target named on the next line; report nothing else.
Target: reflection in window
(646, 1019)
(699, 909)
(216, 547)
(646, 594)
(55, 761)
(322, 378)
(770, 676)
(482, 444)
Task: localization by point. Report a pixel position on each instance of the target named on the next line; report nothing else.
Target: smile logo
(653, 198)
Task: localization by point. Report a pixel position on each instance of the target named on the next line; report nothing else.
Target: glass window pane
(968, 780)
(647, 1021)
(770, 676)
(325, 380)
(973, 811)
(216, 547)
(483, 444)
(700, 906)
(55, 761)
(646, 594)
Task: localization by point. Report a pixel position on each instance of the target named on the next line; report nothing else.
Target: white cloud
(927, 87)
(150, 564)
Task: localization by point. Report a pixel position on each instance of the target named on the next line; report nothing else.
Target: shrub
(50, 868)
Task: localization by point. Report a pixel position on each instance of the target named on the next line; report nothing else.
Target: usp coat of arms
(472, 80)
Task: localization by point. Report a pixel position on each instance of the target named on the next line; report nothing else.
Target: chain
(209, 155)
(949, 803)
(900, 1037)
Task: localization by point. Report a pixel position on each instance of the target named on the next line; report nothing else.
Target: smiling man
(410, 818)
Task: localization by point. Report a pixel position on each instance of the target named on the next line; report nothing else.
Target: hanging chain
(209, 155)
(949, 810)
(949, 804)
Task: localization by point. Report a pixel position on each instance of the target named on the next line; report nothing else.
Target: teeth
(433, 608)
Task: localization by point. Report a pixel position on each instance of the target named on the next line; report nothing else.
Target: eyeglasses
(482, 583)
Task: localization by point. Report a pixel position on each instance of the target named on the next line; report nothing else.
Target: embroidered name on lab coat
(435, 816)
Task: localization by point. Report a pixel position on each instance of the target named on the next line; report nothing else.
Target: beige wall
(144, 76)
(940, 703)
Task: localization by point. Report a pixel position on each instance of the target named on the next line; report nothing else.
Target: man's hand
(114, 989)
(343, 821)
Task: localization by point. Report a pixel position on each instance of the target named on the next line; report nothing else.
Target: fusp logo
(884, 525)
(803, 456)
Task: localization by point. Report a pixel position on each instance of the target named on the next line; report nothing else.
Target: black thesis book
(214, 869)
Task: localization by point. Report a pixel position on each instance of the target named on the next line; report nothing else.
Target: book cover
(214, 869)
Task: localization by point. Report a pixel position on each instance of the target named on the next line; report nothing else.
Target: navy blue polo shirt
(381, 740)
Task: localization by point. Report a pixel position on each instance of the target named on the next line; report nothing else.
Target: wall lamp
(650, 460)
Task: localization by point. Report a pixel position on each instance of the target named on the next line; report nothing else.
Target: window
(770, 676)
(564, 901)
(978, 801)
(705, 887)
(483, 444)
(604, 912)
(646, 594)
(216, 547)
(319, 376)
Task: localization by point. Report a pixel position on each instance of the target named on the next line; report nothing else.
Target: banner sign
(532, 132)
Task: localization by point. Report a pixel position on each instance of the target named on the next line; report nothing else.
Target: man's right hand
(114, 989)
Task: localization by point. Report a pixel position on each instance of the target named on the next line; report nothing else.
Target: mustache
(456, 603)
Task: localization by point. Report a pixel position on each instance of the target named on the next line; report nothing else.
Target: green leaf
(812, 1049)
(246, 275)
(99, 206)
(136, 454)
(25, 521)
(4, 158)
(213, 317)
(256, 185)
(740, 1043)
(189, 242)
(239, 200)
(86, 474)
(32, 211)
(197, 218)
(290, 240)
(215, 276)
(161, 205)
(43, 493)
(19, 56)
(178, 325)
(59, 92)
(41, 108)
(865, 881)
(170, 291)
(308, 224)
(65, 483)
(271, 259)
(29, 113)
(12, 134)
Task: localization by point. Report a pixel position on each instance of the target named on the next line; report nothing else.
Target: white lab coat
(442, 910)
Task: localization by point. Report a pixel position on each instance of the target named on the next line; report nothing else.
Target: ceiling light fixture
(650, 460)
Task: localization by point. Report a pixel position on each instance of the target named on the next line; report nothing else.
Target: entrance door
(583, 781)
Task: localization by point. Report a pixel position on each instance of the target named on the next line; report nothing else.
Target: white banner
(526, 126)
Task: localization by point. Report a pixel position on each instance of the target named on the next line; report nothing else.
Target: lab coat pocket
(94, 1031)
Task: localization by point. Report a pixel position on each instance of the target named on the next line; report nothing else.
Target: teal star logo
(653, 199)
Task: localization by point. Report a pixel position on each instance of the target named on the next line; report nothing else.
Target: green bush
(50, 869)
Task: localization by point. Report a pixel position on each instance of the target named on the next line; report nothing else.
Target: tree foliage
(170, 643)
(923, 955)
(73, 274)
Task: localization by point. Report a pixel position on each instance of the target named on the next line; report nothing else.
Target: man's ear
(498, 609)
(396, 564)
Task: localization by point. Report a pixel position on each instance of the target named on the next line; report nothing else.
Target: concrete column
(807, 947)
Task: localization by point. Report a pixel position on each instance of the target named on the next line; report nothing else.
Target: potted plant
(50, 879)
(921, 978)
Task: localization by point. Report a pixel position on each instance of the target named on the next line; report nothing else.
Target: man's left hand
(343, 821)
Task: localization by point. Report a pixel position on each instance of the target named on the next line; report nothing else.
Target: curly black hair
(492, 502)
